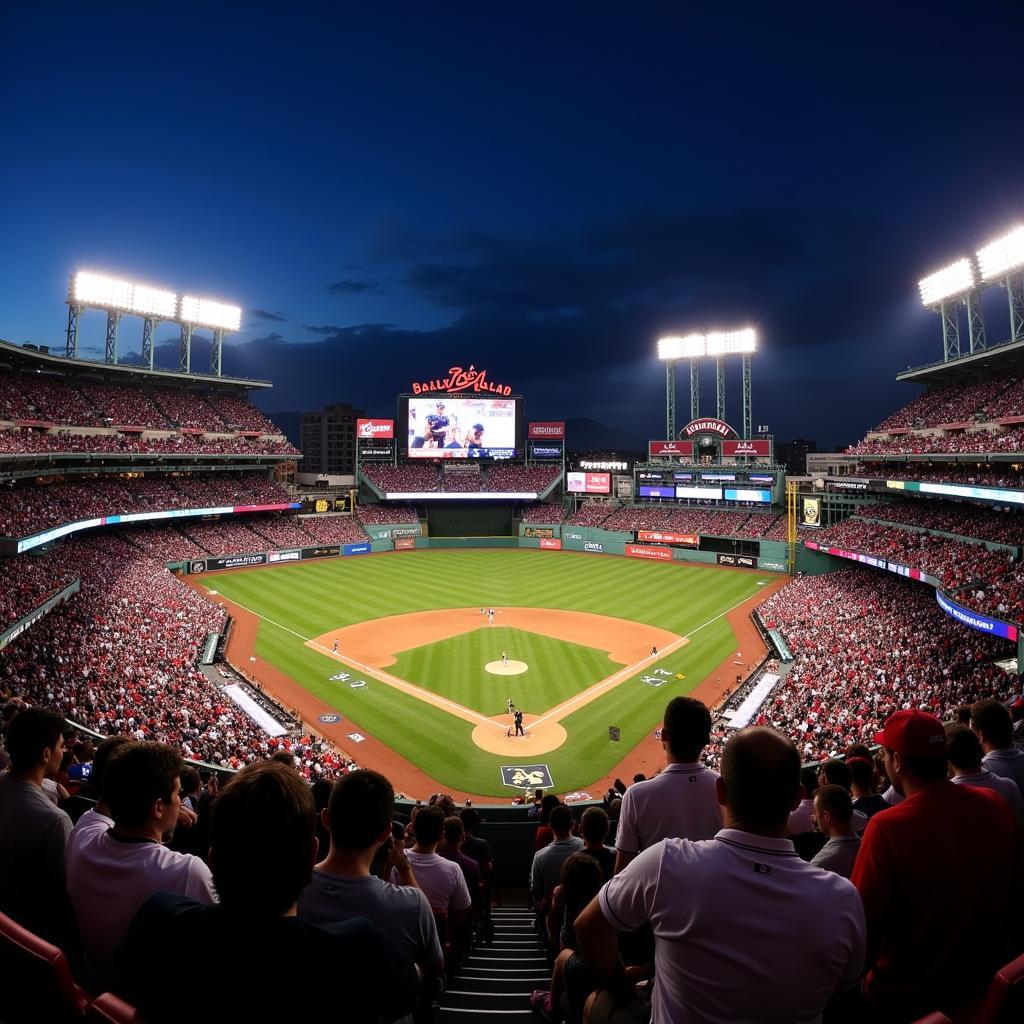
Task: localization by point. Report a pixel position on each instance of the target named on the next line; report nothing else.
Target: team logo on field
(522, 775)
(330, 719)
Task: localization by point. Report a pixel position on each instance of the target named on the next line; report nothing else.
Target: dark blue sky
(539, 189)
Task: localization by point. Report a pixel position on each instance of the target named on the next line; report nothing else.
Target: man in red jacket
(937, 875)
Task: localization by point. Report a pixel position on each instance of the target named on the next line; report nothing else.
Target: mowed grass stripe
(314, 597)
(455, 668)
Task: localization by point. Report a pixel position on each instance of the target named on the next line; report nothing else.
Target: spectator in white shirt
(833, 814)
(113, 871)
(441, 880)
(546, 869)
(680, 803)
(965, 755)
(994, 726)
(744, 929)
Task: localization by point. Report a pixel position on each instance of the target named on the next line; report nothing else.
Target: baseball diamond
(409, 627)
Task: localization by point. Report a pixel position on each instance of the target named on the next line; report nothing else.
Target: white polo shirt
(1006, 788)
(110, 878)
(744, 929)
(680, 803)
(441, 880)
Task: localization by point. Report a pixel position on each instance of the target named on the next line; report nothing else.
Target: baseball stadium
(481, 613)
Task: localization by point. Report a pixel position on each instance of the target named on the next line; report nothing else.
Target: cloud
(353, 330)
(263, 314)
(350, 286)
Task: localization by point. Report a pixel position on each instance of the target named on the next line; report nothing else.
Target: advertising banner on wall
(589, 483)
(405, 543)
(660, 537)
(327, 551)
(657, 492)
(538, 531)
(355, 549)
(670, 449)
(284, 556)
(975, 620)
(758, 448)
(551, 543)
(546, 431)
(375, 428)
(646, 551)
(743, 561)
(228, 562)
(546, 451)
(810, 511)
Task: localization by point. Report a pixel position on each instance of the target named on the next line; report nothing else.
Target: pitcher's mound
(513, 668)
(539, 739)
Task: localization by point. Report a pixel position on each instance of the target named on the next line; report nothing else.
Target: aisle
(496, 981)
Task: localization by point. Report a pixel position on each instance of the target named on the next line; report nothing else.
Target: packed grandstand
(96, 623)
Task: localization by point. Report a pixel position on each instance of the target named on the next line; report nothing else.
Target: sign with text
(405, 543)
(646, 551)
(660, 537)
(708, 426)
(459, 379)
(743, 561)
(759, 448)
(551, 543)
(670, 449)
(547, 429)
(375, 428)
(589, 483)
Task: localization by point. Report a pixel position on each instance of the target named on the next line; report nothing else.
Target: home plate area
(508, 668)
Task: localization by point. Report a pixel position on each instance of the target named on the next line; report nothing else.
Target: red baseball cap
(913, 733)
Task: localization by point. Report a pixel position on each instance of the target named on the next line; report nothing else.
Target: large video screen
(461, 428)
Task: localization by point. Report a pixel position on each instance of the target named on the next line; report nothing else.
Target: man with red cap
(937, 874)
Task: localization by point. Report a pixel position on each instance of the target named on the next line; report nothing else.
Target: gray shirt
(838, 855)
(400, 910)
(546, 871)
(1008, 762)
(33, 835)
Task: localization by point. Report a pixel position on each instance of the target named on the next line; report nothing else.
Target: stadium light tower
(1003, 261)
(196, 312)
(942, 292)
(694, 347)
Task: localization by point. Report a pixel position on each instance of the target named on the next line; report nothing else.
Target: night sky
(538, 189)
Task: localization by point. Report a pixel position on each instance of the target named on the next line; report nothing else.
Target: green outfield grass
(299, 601)
(455, 669)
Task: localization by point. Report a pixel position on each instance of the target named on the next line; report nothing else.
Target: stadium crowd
(995, 475)
(975, 442)
(107, 442)
(982, 522)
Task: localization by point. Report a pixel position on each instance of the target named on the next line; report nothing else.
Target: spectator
(112, 872)
(594, 827)
(34, 833)
(475, 846)
(680, 803)
(994, 726)
(865, 799)
(358, 817)
(744, 930)
(546, 869)
(929, 953)
(965, 755)
(90, 797)
(833, 813)
(262, 855)
(454, 835)
(802, 818)
(441, 880)
(544, 833)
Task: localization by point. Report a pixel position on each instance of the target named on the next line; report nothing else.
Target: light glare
(208, 313)
(100, 290)
(1003, 256)
(956, 279)
(730, 343)
(148, 301)
(675, 347)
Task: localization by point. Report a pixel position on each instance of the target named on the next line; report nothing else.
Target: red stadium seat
(38, 986)
(934, 1018)
(1005, 1000)
(109, 1009)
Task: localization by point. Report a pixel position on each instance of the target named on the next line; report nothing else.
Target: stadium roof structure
(1005, 358)
(41, 359)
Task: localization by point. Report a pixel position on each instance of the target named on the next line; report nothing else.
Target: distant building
(329, 440)
(793, 455)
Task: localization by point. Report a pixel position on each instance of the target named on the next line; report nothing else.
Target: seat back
(38, 983)
(934, 1018)
(1005, 999)
(109, 1009)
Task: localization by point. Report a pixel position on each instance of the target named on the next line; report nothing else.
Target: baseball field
(397, 652)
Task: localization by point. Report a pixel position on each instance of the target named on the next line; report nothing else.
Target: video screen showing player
(452, 428)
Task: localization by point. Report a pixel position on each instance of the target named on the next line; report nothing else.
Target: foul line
(558, 713)
(399, 684)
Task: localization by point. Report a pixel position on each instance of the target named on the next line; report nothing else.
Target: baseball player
(518, 716)
(504, 660)
(334, 650)
(654, 652)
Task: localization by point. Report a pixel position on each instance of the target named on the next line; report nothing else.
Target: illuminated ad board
(371, 429)
(461, 428)
(670, 449)
(660, 537)
(589, 483)
(546, 431)
(759, 448)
